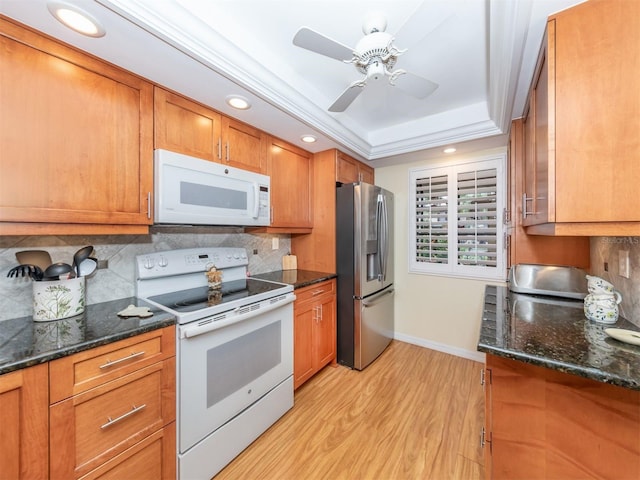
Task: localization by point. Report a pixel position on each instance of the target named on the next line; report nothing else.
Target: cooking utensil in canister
(25, 270)
(54, 270)
(80, 256)
(40, 258)
(87, 267)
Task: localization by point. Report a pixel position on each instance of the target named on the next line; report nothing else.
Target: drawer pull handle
(133, 410)
(317, 292)
(111, 363)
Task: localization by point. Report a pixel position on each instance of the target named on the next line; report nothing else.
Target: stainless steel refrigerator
(364, 253)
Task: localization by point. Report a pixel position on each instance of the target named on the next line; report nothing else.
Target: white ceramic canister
(58, 299)
(602, 308)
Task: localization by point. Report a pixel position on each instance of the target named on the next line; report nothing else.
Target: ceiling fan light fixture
(308, 138)
(238, 102)
(449, 150)
(76, 19)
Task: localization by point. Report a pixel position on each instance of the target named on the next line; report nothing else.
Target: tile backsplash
(607, 250)
(117, 281)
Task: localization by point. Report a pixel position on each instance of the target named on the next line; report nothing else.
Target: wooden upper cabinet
(350, 170)
(76, 140)
(291, 171)
(244, 146)
(586, 121)
(539, 249)
(186, 127)
(24, 416)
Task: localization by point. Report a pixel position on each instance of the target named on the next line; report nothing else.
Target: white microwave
(192, 191)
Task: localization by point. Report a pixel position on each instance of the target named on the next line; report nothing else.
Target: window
(455, 219)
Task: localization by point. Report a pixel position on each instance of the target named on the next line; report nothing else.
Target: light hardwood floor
(413, 414)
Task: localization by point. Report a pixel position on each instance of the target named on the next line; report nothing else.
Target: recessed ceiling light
(449, 150)
(76, 19)
(308, 138)
(238, 102)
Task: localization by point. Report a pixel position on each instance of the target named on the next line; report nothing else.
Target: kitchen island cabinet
(24, 416)
(187, 127)
(562, 398)
(581, 124)
(314, 328)
(76, 143)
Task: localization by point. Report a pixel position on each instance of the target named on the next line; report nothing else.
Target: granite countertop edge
(494, 319)
(297, 278)
(70, 350)
(572, 369)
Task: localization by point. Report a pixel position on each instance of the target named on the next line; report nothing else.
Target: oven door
(225, 370)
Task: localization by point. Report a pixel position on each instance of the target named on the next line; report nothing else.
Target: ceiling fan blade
(422, 22)
(347, 97)
(414, 85)
(316, 42)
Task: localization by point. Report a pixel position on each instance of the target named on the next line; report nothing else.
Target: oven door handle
(203, 326)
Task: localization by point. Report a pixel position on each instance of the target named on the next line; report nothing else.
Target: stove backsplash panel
(117, 281)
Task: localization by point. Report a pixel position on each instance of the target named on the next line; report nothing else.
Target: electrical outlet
(275, 243)
(606, 266)
(623, 263)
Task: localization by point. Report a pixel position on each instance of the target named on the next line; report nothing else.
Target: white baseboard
(441, 347)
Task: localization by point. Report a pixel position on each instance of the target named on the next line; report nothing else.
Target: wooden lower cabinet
(545, 424)
(118, 421)
(314, 328)
(24, 424)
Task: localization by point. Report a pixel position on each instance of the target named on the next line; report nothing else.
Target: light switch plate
(623, 263)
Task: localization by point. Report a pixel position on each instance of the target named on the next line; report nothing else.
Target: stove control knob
(236, 256)
(163, 262)
(148, 263)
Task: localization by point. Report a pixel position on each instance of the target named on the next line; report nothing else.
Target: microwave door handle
(256, 200)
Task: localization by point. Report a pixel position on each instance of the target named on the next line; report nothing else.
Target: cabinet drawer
(314, 291)
(95, 426)
(77, 373)
(153, 458)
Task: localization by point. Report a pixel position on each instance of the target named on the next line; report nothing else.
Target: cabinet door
(24, 420)
(535, 199)
(154, 458)
(325, 331)
(291, 172)
(186, 127)
(349, 170)
(244, 146)
(76, 142)
(93, 427)
(303, 342)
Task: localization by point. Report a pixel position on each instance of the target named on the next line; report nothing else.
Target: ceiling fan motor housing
(376, 51)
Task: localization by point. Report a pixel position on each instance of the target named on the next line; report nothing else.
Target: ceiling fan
(375, 56)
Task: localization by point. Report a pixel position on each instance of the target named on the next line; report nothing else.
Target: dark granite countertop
(554, 333)
(24, 343)
(297, 278)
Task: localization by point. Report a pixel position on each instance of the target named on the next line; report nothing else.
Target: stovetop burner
(199, 298)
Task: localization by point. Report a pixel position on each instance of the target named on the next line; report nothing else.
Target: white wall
(441, 313)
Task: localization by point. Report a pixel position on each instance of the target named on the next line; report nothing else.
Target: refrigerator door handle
(370, 302)
(383, 236)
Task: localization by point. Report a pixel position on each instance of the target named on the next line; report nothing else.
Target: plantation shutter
(477, 212)
(432, 219)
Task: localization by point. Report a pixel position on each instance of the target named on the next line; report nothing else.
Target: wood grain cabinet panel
(24, 424)
(105, 423)
(186, 127)
(350, 170)
(291, 171)
(76, 143)
(585, 113)
(549, 424)
(244, 146)
(314, 330)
